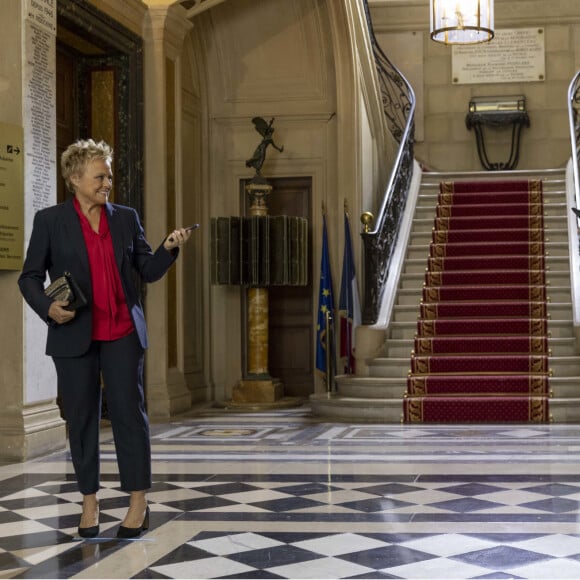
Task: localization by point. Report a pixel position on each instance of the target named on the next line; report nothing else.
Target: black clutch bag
(65, 288)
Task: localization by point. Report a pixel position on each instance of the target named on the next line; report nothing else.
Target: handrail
(573, 198)
(399, 107)
(574, 99)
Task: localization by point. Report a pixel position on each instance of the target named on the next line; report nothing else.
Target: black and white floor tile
(281, 494)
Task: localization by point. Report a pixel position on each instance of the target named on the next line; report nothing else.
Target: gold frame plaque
(11, 196)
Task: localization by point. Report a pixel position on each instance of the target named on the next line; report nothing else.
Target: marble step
(413, 295)
(424, 238)
(563, 410)
(410, 312)
(401, 347)
(408, 330)
(354, 409)
(551, 178)
(337, 408)
(559, 249)
(565, 387)
(395, 387)
(552, 263)
(553, 193)
(565, 366)
(415, 280)
(425, 223)
(371, 387)
(554, 210)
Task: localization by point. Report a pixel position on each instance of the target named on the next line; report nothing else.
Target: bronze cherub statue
(266, 130)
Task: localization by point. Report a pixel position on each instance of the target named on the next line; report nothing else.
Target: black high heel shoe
(124, 532)
(89, 532)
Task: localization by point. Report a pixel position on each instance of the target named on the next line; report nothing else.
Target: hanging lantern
(461, 21)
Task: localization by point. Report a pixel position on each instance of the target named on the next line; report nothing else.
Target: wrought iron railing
(574, 118)
(398, 101)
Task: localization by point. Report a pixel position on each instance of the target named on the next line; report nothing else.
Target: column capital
(168, 25)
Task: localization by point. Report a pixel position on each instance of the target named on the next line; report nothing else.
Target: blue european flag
(325, 304)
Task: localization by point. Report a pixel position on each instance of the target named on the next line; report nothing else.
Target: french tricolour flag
(349, 305)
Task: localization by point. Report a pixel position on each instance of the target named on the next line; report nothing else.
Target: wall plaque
(515, 55)
(11, 197)
(39, 100)
(42, 13)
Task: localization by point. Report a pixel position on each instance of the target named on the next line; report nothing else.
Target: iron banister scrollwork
(398, 101)
(498, 112)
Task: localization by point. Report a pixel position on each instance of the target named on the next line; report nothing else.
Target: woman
(101, 244)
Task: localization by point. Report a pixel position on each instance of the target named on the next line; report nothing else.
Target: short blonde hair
(75, 158)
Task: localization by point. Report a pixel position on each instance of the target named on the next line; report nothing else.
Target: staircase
(378, 398)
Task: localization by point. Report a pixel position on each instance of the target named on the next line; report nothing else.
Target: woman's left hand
(176, 238)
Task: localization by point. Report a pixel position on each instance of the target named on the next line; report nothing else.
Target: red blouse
(111, 318)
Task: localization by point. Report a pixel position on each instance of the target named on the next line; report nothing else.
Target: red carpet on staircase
(481, 349)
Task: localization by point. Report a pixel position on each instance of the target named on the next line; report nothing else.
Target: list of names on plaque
(512, 56)
(40, 100)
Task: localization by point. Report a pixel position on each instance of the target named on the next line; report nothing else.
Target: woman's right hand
(57, 312)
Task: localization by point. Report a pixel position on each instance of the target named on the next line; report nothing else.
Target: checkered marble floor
(281, 494)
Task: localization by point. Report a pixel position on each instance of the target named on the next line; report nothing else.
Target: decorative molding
(130, 13)
(170, 397)
(176, 28)
(33, 431)
(168, 24)
(195, 7)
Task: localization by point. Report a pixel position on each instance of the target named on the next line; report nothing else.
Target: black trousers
(79, 386)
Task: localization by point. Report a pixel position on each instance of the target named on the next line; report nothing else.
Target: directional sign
(11, 197)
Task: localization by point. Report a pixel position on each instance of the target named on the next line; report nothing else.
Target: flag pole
(327, 316)
(349, 307)
(327, 327)
(325, 356)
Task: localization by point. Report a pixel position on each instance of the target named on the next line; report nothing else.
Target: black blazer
(57, 245)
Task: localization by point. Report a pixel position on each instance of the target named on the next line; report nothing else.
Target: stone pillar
(258, 387)
(258, 318)
(164, 31)
(30, 423)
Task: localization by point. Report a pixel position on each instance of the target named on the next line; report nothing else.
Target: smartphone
(187, 229)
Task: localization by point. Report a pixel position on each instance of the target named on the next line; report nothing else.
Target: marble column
(30, 423)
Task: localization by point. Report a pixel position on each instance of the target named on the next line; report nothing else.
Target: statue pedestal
(260, 394)
(258, 391)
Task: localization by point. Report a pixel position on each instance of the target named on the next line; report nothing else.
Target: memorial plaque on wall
(39, 100)
(11, 197)
(514, 55)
